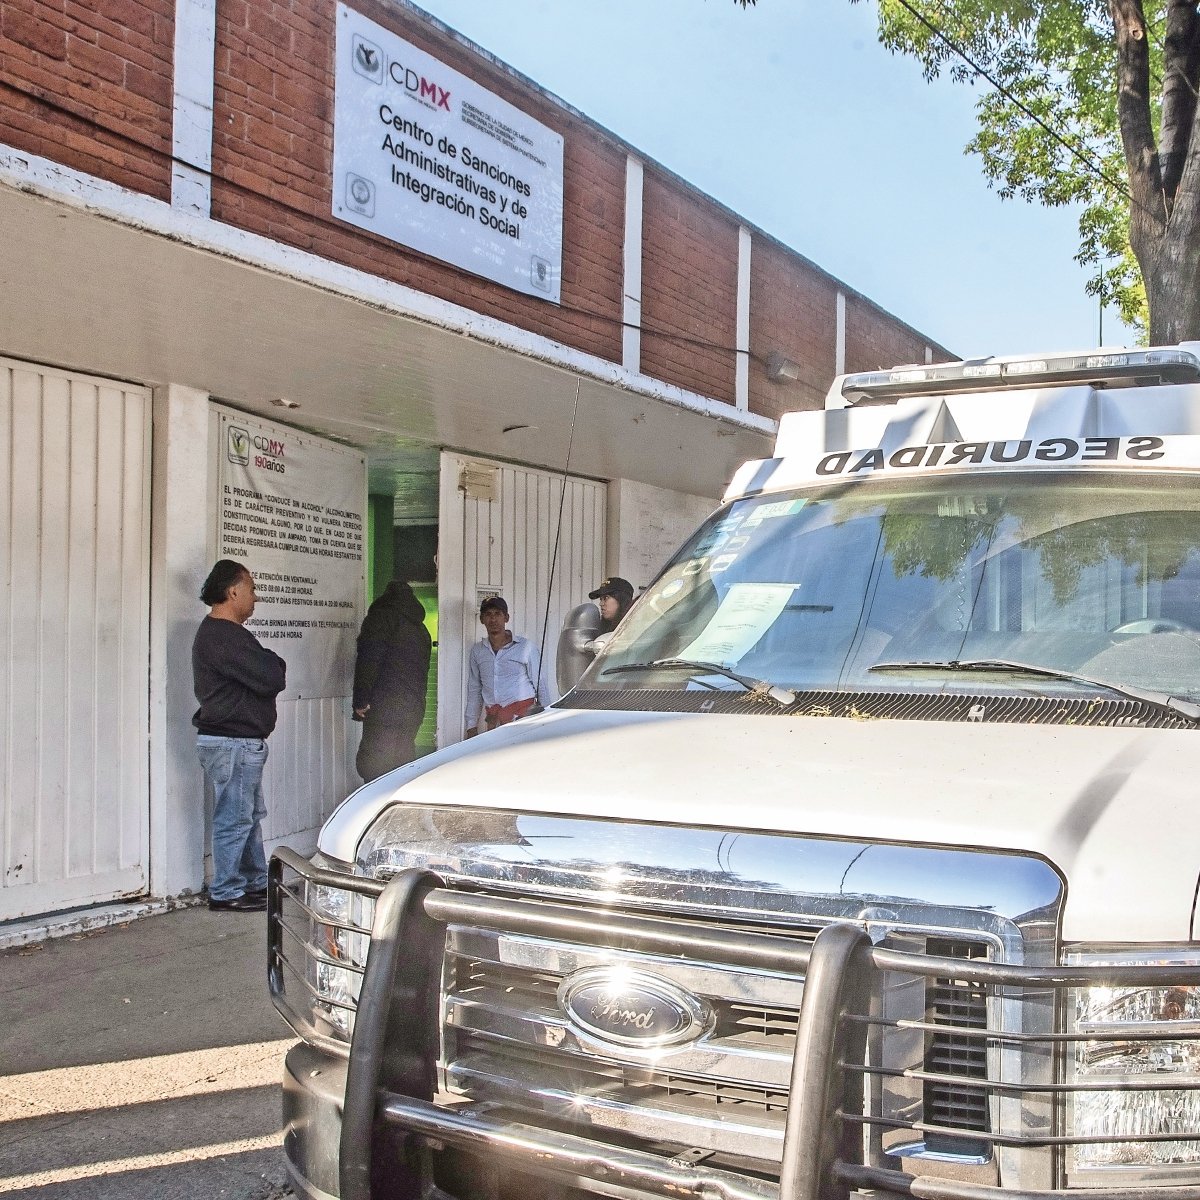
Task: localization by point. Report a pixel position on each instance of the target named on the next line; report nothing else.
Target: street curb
(21, 934)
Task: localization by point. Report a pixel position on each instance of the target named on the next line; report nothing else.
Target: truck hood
(1113, 809)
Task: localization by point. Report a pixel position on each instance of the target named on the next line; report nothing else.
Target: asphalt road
(142, 1063)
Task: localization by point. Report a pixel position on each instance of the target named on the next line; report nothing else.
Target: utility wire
(557, 537)
(1081, 155)
(679, 339)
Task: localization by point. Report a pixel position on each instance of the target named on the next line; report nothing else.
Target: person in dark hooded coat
(389, 680)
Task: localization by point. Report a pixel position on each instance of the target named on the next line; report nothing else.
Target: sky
(792, 115)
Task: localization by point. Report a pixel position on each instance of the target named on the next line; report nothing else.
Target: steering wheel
(1153, 625)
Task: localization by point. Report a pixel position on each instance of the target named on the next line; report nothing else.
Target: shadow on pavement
(143, 1063)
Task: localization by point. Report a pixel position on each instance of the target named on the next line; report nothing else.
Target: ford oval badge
(631, 1008)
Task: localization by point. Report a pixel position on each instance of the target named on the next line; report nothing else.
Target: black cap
(620, 589)
(490, 602)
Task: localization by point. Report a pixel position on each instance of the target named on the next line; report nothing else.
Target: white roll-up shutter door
(74, 621)
(498, 526)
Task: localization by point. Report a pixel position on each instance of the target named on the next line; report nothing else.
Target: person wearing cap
(503, 672)
(236, 680)
(615, 595)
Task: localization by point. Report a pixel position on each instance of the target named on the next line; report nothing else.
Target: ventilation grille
(911, 706)
(953, 1001)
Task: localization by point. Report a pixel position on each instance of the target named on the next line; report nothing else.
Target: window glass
(1099, 575)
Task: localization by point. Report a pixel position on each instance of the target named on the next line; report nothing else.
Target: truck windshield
(812, 589)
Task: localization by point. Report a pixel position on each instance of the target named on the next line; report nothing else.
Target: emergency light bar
(1124, 368)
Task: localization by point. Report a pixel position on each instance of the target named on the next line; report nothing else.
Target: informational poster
(291, 507)
(747, 611)
(426, 157)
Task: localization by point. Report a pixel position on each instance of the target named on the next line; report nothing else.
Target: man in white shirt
(503, 672)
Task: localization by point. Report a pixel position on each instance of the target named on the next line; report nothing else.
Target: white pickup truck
(863, 858)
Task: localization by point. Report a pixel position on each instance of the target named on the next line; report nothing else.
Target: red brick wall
(88, 83)
(689, 289)
(793, 312)
(273, 155)
(875, 341)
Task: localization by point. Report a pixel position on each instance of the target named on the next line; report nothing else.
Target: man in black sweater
(390, 675)
(236, 681)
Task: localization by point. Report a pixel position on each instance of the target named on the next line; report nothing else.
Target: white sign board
(291, 507)
(426, 157)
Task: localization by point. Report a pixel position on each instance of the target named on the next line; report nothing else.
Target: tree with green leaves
(1088, 102)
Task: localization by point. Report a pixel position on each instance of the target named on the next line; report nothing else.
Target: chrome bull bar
(394, 1050)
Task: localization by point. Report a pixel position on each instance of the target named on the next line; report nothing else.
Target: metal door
(499, 525)
(74, 619)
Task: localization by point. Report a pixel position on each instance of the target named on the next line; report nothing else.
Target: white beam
(741, 389)
(631, 315)
(192, 123)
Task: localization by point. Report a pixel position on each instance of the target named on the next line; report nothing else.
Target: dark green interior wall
(381, 560)
(395, 552)
(427, 735)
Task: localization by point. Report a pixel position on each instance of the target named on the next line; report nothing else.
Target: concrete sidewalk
(142, 1062)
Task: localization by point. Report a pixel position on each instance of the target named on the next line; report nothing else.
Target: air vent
(974, 708)
(963, 1005)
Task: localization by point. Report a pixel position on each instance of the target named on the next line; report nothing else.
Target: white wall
(646, 525)
(312, 750)
(179, 560)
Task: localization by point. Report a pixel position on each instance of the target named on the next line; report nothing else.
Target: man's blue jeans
(233, 769)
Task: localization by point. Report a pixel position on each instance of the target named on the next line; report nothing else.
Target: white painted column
(741, 384)
(179, 561)
(192, 129)
(631, 315)
(839, 354)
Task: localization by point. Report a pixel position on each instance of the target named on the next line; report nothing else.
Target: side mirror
(575, 649)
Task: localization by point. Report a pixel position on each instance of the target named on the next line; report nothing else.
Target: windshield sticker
(695, 566)
(1047, 452)
(747, 611)
(712, 541)
(764, 512)
(721, 563)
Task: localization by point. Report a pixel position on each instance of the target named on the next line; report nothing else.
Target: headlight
(1132, 1022)
(338, 925)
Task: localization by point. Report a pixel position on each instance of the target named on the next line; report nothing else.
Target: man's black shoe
(248, 903)
(257, 893)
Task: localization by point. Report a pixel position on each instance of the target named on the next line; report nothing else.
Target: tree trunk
(1173, 277)
(1164, 205)
(1174, 310)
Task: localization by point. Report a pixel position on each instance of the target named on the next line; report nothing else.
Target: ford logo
(631, 1008)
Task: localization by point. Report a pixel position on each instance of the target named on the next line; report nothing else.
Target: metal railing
(395, 1046)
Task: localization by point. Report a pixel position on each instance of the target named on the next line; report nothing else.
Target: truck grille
(507, 1041)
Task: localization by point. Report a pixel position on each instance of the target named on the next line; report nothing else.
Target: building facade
(328, 288)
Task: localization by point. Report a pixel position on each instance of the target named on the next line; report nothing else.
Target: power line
(328, 222)
(1095, 167)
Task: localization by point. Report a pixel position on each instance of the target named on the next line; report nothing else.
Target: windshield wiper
(1160, 700)
(760, 687)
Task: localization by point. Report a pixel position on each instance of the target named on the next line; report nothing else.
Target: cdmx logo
(367, 59)
(429, 93)
(237, 446)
